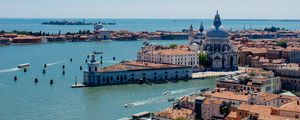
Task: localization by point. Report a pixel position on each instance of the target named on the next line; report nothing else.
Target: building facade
(101, 33)
(221, 53)
(181, 55)
(133, 72)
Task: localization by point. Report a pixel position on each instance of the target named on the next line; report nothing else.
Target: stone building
(101, 33)
(222, 54)
(133, 72)
(181, 55)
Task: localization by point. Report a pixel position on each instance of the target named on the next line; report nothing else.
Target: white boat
(97, 52)
(24, 66)
(128, 105)
(167, 93)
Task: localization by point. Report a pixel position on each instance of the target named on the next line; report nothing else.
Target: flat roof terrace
(138, 65)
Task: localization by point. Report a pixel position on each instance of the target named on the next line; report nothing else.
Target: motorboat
(97, 52)
(128, 105)
(167, 93)
(204, 89)
(171, 99)
(24, 66)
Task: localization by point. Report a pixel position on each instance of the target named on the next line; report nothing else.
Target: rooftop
(177, 51)
(228, 95)
(293, 106)
(137, 65)
(171, 113)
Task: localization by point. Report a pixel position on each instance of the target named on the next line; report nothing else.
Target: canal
(25, 99)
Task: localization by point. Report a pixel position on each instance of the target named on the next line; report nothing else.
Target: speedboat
(24, 66)
(128, 105)
(97, 52)
(205, 89)
(171, 99)
(167, 93)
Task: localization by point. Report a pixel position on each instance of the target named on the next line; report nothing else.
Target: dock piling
(36, 80)
(51, 82)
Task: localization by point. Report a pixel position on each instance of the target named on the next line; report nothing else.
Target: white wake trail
(9, 70)
(55, 63)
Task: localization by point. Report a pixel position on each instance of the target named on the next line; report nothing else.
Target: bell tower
(217, 21)
(93, 65)
(191, 34)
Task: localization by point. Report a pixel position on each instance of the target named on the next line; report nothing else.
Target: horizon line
(281, 19)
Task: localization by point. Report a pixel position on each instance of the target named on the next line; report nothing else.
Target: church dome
(217, 30)
(220, 32)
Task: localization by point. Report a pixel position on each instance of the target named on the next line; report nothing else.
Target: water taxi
(97, 52)
(24, 66)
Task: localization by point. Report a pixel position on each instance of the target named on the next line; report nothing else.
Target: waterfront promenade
(216, 73)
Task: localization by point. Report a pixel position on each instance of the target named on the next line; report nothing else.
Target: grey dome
(214, 32)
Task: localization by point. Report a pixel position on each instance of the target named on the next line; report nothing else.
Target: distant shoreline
(228, 19)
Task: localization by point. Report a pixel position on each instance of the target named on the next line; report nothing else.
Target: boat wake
(55, 63)
(148, 101)
(181, 91)
(159, 99)
(111, 61)
(9, 70)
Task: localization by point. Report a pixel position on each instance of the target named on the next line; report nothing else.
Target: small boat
(204, 89)
(145, 43)
(128, 105)
(171, 99)
(24, 66)
(97, 52)
(167, 93)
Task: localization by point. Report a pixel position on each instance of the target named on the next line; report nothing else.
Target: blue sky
(180, 9)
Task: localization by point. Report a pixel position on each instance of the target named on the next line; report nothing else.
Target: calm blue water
(23, 99)
(10, 24)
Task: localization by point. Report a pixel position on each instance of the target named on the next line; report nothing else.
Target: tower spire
(217, 21)
(201, 28)
(191, 28)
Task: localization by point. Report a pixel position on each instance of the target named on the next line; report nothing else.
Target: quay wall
(133, 76)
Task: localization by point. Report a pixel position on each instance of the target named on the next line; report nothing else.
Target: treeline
(273, 29)
(40, 33)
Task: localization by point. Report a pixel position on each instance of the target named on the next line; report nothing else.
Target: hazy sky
(181, 9)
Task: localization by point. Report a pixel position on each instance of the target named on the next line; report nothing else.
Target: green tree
(203, 59)
(283, 44)
(173, 46)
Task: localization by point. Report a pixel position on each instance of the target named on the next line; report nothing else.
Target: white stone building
(133, 72)
(101, 33)
(181, 55)
(221, 53)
